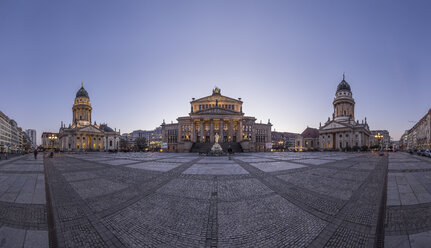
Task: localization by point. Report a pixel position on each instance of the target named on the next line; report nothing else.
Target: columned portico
(216, 114)
(343, 131)
(82, 134)
(202, 130)
(212, 131)
(221, 130)
(230, 130)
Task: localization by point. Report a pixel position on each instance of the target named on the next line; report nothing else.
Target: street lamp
(379, 137)
(52, 138)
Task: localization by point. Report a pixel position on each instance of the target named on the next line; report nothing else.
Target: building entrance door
(207, 139)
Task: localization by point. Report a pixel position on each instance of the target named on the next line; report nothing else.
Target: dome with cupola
(343, 85)
(82, 92)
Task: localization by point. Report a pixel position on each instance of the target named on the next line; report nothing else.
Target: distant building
(211, 115)
(49, 140)
(386, 140)
(152, 137)
(32, 135)
(26, 144)
(283, 140)
(126, 142)
(419, 136)
(308, 140)
(404, 140)
(82, 135)
(11, 140)
(343, 131)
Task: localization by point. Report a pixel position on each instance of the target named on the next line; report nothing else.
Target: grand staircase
(206, 147)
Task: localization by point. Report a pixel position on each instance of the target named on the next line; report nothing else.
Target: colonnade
(209, 127)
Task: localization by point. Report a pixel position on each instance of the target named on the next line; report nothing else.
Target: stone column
(240, 131)
(193, 138)
(221, 131)
(202, 130)
(179, 133)
(212, 131)
(230, 130)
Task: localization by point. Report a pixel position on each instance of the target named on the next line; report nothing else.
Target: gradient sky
(143, 61)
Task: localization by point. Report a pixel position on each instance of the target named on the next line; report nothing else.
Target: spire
(82, 83)
(343, 76)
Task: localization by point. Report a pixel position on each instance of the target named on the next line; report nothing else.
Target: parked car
(427, 153)
(420, 152)
(410, 151)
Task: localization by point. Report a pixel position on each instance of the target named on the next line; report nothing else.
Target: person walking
(229, 151)
(35, 153)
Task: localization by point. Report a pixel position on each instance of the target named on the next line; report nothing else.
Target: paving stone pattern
(186, 200)
(23, 212)
(408, 210)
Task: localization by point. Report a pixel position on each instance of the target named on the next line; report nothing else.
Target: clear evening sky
(143, 61)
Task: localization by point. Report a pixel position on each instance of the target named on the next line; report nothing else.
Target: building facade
(49, 140)
(31, 133)
(386, 139)
(308, 140)
(342, 131)
(11, 136)
(211, 115)
(419, 136)
(282, 141)
(152, 137)
(404, 140)
(82, 135)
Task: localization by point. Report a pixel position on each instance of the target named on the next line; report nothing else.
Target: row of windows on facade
(341, 136)
(298, 143)
(110, 144)
(173, 138)
(341, 144)
(84, 138)
(226, 106)
(246, 128)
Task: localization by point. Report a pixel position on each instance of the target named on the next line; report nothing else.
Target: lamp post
(379, 137)
(52, 138)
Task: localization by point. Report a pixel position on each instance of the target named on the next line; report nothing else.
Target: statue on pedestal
(216, 148)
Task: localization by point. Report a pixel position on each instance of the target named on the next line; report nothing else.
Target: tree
(123, 145)
(141, 144)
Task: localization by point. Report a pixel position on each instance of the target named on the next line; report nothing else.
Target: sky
(143, 61)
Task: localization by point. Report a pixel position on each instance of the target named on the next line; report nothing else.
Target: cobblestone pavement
(408, 211)
(23, 212)
(186, 200)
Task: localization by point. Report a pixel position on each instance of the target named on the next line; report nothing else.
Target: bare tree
(141, 144)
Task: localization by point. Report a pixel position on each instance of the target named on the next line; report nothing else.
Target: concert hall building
(216, 114)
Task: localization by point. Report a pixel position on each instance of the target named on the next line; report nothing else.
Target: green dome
(82, 92)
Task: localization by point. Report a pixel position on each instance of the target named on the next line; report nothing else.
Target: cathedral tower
(344, 104)
(82, 108)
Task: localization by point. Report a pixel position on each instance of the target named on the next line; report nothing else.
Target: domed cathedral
(343, 131)
(81, 135)
(216, 118)
(82, 108)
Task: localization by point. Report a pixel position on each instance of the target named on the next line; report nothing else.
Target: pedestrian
(35, 153)
(229, 151)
